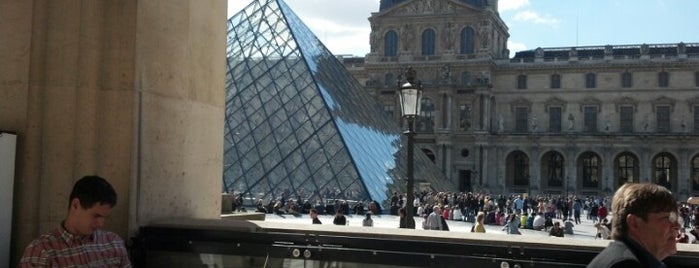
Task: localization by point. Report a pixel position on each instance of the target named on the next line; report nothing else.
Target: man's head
(646, 213)
(314, 213)
(90, 203)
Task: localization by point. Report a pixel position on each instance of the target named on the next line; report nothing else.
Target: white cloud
(339, 38)
(506, 5)
(532, 16)
(515, 47)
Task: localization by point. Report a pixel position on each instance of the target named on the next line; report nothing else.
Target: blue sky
(343, 26)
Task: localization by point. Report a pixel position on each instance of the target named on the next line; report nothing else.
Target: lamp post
(410, 94)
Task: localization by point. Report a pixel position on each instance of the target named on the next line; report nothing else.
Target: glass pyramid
(299, 126)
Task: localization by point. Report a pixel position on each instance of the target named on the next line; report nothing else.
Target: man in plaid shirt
(79, 241)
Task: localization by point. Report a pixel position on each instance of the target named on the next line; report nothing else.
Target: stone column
(684, 175)
(446, 151)
(607, 169)
(448, 109)
(534, 170)
(129, 90)
(571, 170)
(477, 112)
(646, 166)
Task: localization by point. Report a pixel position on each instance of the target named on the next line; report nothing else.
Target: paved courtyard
(584, 230)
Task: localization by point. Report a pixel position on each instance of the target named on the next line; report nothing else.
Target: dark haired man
(644, 227)
(79, 241)
(314, 216)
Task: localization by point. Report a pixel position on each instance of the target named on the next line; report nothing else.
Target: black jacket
(624, 253)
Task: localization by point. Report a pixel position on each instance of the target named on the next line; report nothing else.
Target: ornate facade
(578, 120)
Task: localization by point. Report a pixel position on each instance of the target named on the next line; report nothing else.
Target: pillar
(130, 90)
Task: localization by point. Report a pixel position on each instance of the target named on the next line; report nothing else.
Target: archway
(665, 171)
(517, 171)
(626, 169)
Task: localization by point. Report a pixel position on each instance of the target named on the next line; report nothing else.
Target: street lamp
(410, 94)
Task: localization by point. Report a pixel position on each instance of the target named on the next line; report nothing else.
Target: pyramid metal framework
(298, 125)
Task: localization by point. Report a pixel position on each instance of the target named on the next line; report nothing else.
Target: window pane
(626, 80)
(521, 171)
(465, 79)
(626, 119)
(425, 122)
(663, 79)
(464, 117)
(389, 81)
(663, 169)
(556, 81)
(626, 168)
(521, 119)
(521, 81)
(467, 40)
(428, 42)
(388, 109)
(663, 116)
(590, 119)
(555, 119)
(590, 172)
(390, 44)
(555, 170)
(590, 80)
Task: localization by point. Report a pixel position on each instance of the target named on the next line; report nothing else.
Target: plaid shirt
(59, 248)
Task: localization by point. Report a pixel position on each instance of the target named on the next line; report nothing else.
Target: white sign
(8, 149)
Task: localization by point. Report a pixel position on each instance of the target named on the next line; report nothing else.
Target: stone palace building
(563, 120)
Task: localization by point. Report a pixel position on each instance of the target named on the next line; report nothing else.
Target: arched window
(626, 168)
(425, 122)
(664, 170)
(552, 165)
(390, 44)
(591, 169)
(467, 40)
(518, 168)
(428, 37)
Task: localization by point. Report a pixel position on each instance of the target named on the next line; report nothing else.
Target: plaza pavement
(584, 230)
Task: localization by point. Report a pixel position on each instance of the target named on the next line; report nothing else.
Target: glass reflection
(298, 126)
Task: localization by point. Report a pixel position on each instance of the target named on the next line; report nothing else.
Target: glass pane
(299, 126)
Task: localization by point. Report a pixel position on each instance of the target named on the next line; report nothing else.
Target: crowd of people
(647, 222)
(513, 212)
